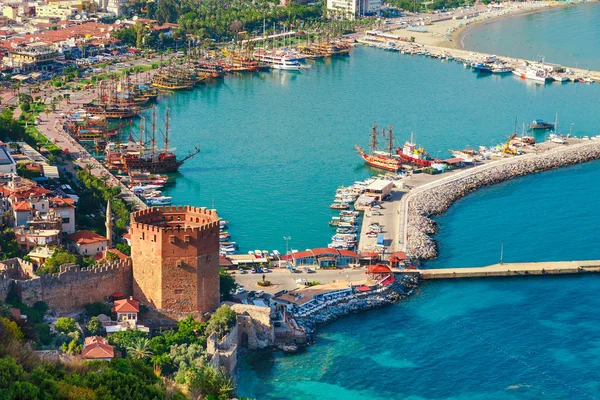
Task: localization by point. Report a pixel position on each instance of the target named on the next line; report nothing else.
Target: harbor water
(565, 35)
(275, 146)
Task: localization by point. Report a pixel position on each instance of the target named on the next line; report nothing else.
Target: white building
(87, 243)
(352, 8)
(7, 163)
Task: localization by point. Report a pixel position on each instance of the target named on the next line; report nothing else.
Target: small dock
(509, 269)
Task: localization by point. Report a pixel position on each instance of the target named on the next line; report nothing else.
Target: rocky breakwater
(400, 289)
(435, 200)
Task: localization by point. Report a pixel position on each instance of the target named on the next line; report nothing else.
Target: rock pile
(422, 206)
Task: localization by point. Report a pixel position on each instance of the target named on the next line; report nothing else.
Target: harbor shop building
(323, 258)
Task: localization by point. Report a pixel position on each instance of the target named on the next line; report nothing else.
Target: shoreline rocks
(399, 290)
(435, 201)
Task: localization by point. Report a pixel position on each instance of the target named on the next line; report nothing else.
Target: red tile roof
(324, 251)
(21, 206)
(370, 254)
(102, 255)
(302, 254)
(398, 256)
(347, 253)
(379, 269)
(86, 237)
(97, 348)
(61, 202)
(126, 305)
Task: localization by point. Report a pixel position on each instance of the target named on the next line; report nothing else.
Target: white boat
(278, 60)
(559, 78)
(532, 74)
(501, 69)
(160, 201)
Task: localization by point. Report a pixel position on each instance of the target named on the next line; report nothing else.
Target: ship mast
(390, 140)
(373, 136)
(142, 136)
(167, 131)
(153, 140)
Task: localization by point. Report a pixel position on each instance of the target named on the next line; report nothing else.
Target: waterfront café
(368, 257)
(303, 301)
(398, 259)
(322, 257)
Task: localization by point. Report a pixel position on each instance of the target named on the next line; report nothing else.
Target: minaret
(108, 225)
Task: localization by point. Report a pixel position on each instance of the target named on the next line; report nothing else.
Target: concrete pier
(510, 269)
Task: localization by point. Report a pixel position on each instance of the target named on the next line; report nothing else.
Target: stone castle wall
(254, 325)
(175, 253)
(73, 287)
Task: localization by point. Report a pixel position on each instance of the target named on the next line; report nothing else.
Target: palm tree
(139, 349)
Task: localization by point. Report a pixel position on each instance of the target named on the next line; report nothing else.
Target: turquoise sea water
(515, 338)
(567, 35)
(275, 146)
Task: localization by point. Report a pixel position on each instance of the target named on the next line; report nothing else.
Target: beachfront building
(322, 257)
(305, 301)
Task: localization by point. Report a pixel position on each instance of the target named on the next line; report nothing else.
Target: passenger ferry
(278, 60)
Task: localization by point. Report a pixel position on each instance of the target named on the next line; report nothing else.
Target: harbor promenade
(509, 269)
(51, 128)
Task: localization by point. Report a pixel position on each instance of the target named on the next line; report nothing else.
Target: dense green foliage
(97, 308)
(52, 264)
(23, 375)
(65, 325)
(95, 196)
(227, 284)
(8, 244)
(10, 130)
(94, 326)
(124, 248)
(221, 321)
(221, 20)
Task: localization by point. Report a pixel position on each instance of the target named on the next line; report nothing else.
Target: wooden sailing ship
(139, 156)
(381, 159)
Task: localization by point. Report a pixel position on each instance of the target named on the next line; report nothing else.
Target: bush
(221, 321)
(65, 325)
(97, 308)
(52, 265)
(94, 326)
(25, 107)
(264, 283)
(312, 283)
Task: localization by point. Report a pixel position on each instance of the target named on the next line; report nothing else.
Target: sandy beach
(449, 30)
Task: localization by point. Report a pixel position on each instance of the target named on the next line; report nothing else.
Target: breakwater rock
(399, 290)
(431, 202)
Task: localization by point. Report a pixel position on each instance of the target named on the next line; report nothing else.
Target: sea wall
(431, 202)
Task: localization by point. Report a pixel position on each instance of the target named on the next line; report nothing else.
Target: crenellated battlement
(72, 287)
(174, 219)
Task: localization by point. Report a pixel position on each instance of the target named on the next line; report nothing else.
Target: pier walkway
(509, 269)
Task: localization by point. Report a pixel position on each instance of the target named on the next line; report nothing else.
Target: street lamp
(287, 242)
(501, 251)
(571, 129)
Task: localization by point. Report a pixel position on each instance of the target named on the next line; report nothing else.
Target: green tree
(65, 325)
(210, 383)
(124, 248)
(52, 265)
(221, 321)
(10, 372)
(227, 284)
(97, 308)
(94, 326)
(139, 349)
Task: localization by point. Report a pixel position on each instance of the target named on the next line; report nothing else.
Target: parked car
(243, 271)
(310, 270)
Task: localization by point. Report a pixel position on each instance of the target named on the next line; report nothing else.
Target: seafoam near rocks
(431, 202)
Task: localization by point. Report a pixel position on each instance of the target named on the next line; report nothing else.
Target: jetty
(509, 269)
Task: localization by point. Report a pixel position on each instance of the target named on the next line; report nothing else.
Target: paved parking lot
(284, 279)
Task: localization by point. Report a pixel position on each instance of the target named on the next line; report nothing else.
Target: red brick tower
(175, 254)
